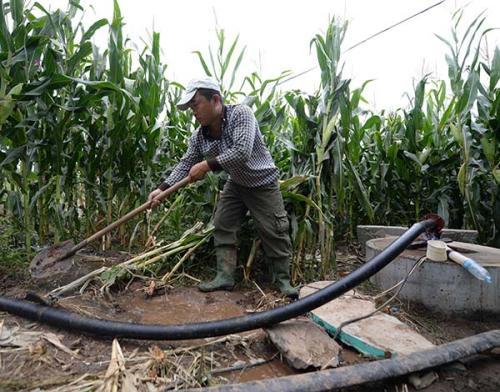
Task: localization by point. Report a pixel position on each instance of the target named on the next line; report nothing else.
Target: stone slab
(304, 344)
(380, 335)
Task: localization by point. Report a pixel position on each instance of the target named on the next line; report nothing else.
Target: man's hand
(152, 198)
(198, 171)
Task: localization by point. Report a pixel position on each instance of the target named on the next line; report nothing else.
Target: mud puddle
(177, 306)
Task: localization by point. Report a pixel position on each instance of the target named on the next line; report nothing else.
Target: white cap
(192, 87)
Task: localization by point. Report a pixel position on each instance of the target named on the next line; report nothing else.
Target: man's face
(203, 109)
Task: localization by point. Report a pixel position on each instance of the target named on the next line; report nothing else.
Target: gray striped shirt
(240, 151)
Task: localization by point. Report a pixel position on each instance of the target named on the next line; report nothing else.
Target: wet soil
(46, 367)
(49, 367)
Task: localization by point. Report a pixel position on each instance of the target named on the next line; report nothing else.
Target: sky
(278, 33)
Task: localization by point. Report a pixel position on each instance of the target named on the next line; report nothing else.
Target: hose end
(435, 231)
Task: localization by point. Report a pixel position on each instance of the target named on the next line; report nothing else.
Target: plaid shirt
(240, 151)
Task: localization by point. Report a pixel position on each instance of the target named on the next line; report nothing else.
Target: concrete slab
(444, 287)
(368, 232)
(380, 335)
(304, 344)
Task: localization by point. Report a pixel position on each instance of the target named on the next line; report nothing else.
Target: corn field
(86, 133)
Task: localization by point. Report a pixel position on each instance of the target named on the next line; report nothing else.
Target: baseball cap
(192, 87)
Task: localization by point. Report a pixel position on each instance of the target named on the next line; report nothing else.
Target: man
(229, 139)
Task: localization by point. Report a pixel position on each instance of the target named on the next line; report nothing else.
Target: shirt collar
(205, 130)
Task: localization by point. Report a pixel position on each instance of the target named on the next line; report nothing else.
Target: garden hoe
(62, 251)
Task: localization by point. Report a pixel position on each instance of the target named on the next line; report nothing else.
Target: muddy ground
(73, 361)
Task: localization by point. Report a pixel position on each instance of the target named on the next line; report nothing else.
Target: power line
(396, 24)
(370, 37)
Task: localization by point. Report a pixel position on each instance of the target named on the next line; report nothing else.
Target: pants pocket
(281, 221)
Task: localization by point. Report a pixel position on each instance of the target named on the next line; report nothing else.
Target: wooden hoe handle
(124, 218)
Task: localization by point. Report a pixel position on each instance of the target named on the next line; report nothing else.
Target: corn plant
(85, 136)
(475, 134)
(72, 118)
(224, 64)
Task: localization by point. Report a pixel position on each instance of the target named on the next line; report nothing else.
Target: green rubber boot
(226, 266)
(281, 269)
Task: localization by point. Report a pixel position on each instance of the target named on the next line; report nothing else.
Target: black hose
(70, 321)
(349, 376)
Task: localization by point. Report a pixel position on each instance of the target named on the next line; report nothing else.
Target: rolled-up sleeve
(243, 139)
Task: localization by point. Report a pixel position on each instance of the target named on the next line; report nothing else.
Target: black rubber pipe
(349, 376)
(107, 328)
